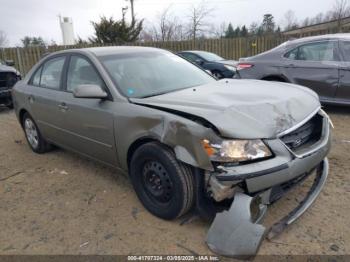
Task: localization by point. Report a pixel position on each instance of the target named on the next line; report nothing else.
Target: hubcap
(31, 133)
(156, 182)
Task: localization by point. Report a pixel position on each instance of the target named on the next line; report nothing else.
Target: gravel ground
(61, 203)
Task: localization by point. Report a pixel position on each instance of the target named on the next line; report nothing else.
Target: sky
(21, 18)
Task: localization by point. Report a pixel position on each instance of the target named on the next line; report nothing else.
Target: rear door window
(346, 50)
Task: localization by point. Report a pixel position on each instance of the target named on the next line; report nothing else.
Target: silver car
(225, 149)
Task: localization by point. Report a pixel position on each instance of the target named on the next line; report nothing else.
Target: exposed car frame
(8, 77)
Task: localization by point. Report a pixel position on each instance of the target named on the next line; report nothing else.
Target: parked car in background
(321, 63)
(218, 66)
(8, 78)
(187, 140)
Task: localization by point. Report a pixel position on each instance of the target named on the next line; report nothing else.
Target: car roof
(112, 50)
(194, 52)
(345, 36)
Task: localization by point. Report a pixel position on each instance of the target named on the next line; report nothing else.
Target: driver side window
(191, 57)
(81, 72)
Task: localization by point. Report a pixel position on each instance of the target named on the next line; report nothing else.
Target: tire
(153, 165)
(217, 74)
(34, 138)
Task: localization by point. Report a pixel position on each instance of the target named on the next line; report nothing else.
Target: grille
(307, 134)
(7, 79)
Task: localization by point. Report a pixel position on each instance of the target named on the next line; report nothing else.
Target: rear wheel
(163, 185)
(34, 138)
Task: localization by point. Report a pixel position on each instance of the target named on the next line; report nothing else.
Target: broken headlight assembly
(236, 150)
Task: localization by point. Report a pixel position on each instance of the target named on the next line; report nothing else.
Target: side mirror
(9, 62)
(209, 72)
(199, 61)
(89, 91)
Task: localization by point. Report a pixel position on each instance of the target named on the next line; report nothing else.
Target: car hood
(242, 108)
(5, 68)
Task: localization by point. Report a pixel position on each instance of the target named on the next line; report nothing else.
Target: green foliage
(229, 32)
(110, 31)
(29, 41)
(244, 31)
(81, 41)
(268, 23)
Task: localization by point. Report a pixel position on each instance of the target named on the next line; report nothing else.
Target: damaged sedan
(224, 149)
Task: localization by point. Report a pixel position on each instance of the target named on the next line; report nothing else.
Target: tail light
(244, 66)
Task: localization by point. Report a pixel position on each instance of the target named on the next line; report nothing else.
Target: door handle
(63, 106)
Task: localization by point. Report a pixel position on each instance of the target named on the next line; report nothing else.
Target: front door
(87, 122)
(343, 92)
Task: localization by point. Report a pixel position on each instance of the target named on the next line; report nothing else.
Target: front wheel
(163, 185)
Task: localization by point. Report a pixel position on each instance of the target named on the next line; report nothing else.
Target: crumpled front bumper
(286, 165)
(238, 232)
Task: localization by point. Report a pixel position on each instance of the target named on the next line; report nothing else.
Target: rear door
(43, 92)
(87, 122)
(343, 92)
(316, 66)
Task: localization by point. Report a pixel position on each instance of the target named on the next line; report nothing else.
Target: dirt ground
(61, 203)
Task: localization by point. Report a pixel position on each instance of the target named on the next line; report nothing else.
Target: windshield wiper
(155, 94)
(166, 92)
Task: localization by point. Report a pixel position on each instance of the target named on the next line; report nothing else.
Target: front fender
(134, 122)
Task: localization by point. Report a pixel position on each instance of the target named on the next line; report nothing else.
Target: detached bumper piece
(233, 233)
(238, 232)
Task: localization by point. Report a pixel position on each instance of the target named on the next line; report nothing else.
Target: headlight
(236, 150)
(231, 68)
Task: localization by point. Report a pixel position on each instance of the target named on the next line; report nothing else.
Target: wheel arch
(21, 114)
(136, 144)
(279, 78)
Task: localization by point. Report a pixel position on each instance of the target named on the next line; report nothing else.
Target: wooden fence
(234, 48)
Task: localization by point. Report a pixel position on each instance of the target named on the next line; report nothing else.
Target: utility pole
(132, 11)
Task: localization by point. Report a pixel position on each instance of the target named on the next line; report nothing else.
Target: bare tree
(340, 10)
(167, 24)
(218, 31)
(3, 39)
(319, 18)
(166, 28)
(290, 20)
(198, 16)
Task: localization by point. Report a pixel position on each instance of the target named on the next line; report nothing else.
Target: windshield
(150, 73)
(210, 56)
